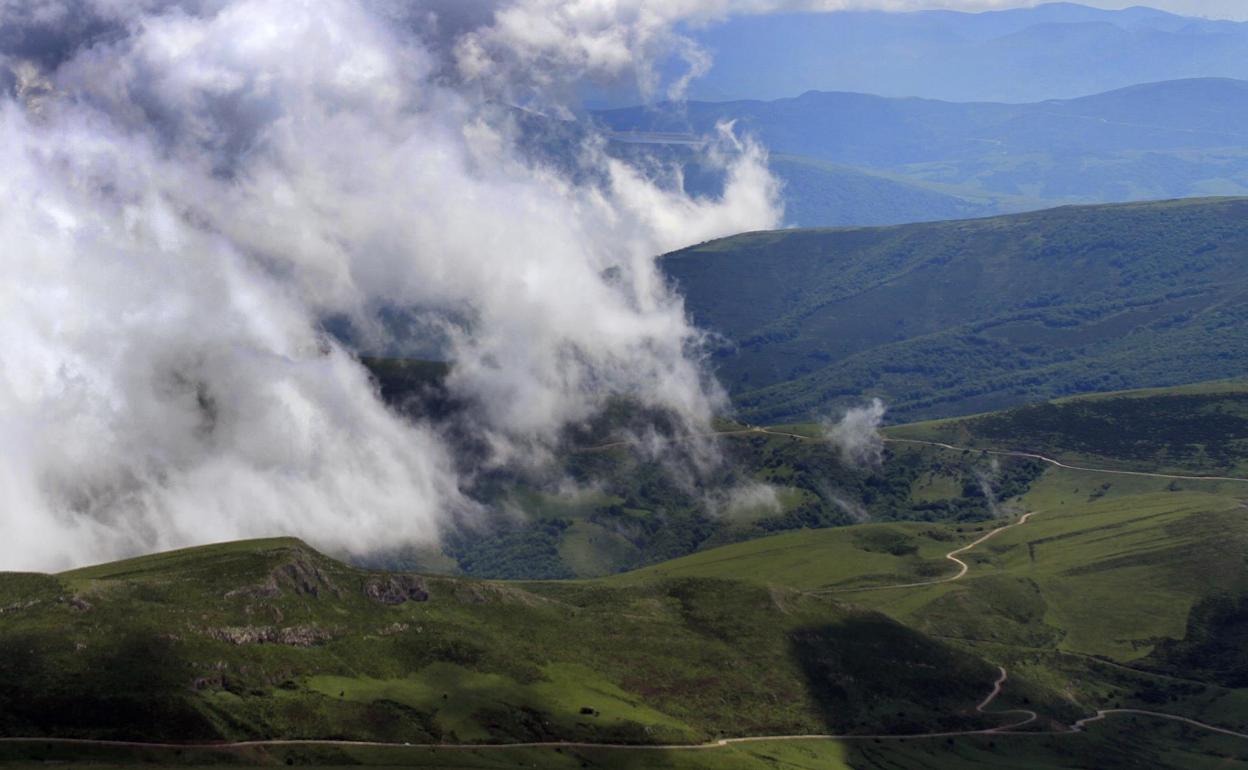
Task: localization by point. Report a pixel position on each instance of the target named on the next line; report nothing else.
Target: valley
(1088, 605)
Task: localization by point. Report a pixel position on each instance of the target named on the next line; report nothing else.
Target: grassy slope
(825, 558)
(956, 317)
(1105, 570)
(1110, 571)
(1107, 577)
(986, 610)
(271, 639)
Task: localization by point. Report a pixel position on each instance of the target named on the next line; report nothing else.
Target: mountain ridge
(1053, 50)
(1146, 141)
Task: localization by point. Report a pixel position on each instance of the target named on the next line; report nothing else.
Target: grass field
(842, 557)
(1088, 598)
(1078, 603)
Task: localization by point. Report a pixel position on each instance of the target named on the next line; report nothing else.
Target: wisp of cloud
(857, 435)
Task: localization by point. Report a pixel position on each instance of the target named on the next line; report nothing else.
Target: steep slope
(960, 317)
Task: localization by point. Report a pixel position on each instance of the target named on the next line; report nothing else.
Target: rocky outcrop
(293, 636)
(18, 606)
(396, 589)
(305, 579)
(300, 577)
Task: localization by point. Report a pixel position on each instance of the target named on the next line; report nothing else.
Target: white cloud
(205, 184)
(857, 435)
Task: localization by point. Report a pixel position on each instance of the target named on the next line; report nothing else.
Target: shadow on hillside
(134, 687)
(869, 674)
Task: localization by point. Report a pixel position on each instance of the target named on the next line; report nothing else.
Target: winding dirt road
(752, 430)
(982, 708)
(952, 556)
(1007, 729)
(1103, 713)
(1058, 463)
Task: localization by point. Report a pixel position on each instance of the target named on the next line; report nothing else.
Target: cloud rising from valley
(856, 436)
(193, 188)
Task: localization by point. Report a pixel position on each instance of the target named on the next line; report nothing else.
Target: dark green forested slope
(957, 317)
(1195, 429)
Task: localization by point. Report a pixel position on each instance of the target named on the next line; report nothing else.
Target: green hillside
(1116, 591)
(961, 317)
(1125, 592)
(1106, 566)
(269, 639)
(1197, 429)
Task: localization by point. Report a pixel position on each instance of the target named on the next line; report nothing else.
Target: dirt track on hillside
(952, 556)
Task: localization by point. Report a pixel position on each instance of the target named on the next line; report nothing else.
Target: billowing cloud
(191, 189)
(193, 186)
(856, 435)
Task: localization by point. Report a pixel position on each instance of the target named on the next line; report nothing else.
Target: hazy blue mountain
(818, 193)
(1160, 140)
(1051, 51)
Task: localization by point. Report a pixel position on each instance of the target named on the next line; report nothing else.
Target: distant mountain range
(850, 158)
(1052, 51)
